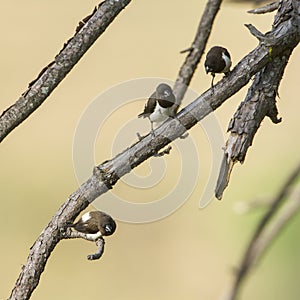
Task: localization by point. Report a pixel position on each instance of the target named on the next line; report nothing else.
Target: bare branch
(68, 233)
(196, 51)
(265, 9)
(108, 173)
(87, 33)
(267, 230)
(260, 101)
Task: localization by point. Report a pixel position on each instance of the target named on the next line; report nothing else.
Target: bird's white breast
(160, 114)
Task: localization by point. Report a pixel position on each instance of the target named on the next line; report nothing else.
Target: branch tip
(187, 50)
(265, 9)
(255, 32)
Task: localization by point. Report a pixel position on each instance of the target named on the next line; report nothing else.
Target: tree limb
(259, 102)
(68, 233)
(86, 34)
(196, 51)
(265, 9)
(108, 173)
(79, 200)
(278, 215)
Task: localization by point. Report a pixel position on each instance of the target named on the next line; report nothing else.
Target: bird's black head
(209, 69)
(163, 91)
(217, 60)
(108, 225)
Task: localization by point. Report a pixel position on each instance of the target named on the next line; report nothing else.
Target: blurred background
(190, 254)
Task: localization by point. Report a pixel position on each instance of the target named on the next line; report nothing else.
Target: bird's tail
(142, 115)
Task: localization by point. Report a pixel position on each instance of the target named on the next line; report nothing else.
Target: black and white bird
(95, 224)
(217, 61)
(159, 106)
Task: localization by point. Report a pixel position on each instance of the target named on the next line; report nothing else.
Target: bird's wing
(86, 227)
(149, 107)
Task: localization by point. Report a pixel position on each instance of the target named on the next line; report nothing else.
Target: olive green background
(190, 254)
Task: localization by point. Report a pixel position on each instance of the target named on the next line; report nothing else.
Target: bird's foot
(187, 50)
(65, 232)
(227, 74)
(153, 133)
(139, 136)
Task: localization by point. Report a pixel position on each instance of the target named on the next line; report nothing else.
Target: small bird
(217, 61)
(95, 224)
(159, 106)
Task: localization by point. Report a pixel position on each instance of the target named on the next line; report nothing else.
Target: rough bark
(196, 51)
(88, 30)
(261, 97)
(108, 173)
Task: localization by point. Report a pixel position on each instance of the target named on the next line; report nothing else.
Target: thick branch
(260, 102)
(279, 214)
(109, 172)
(87, 33)
(196, 51)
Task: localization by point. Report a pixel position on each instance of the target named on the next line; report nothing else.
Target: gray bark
(261, 97)
(86, 34)
(283, 37)
(196, 51)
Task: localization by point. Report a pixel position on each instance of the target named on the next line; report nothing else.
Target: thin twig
(265, 9)
(267, 229)
(196, 51)
(86, 34)
(108, 173)
(68, 233)
(260, 102)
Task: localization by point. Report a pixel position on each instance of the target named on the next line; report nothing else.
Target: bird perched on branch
(159, 106)
(217, 61)
(92, 226)
(95, 224)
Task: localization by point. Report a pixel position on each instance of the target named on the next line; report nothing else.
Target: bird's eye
(108, 228)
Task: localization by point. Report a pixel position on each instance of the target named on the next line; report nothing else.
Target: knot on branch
(106, 176)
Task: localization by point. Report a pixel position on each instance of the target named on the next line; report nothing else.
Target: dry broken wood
(107, 174)
(265, 9)
(261, 97)
(39, 89)
(284, 206)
